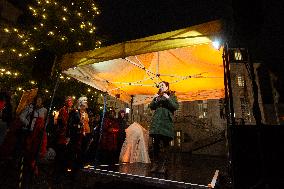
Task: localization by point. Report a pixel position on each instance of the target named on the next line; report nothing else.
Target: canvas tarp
(185, 58)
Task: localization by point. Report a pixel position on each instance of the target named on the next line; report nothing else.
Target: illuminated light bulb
(47, 2)
(32, 48)
(19, 88)
(14, 50)
(73, 97)
(15, 29)
(8, 73)
(44, 16)
(50, 33)
(41, 24)
(79, 43)
(68, 78)
(46, 91)
(32, 82)
(72, 3)
(62, 38)
(61, 77)
(3, 70)
(216, 44)
(2, 51)
(89, 90)
(63, 18)
(35, 28)
(6, 30)
(65, 9)
(16, 74)
(91, 31)
(79, 14)
(20, 55)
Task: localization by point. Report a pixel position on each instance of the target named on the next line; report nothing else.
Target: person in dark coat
(78, 128)
(121, 131)
(164, 104)
(108, 139)
(61, 139)
(6, 115)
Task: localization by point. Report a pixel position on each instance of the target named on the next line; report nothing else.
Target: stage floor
(184, 171)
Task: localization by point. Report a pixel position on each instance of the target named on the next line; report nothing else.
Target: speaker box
(257, 156)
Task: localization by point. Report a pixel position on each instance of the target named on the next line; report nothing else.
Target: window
(238, 55)
(178, 138)
(241, 81)
(202, 109)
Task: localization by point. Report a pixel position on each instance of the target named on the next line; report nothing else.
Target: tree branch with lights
(58, 27)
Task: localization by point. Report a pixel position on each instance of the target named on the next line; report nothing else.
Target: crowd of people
(80, 136)
(76, 136)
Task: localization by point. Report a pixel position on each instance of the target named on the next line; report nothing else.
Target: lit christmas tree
(57, 26)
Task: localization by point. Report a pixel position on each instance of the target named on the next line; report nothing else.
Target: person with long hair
(164, 104)
(33, 119)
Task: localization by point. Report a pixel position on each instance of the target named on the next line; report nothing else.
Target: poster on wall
(26, 99)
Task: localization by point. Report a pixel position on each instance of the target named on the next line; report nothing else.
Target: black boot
(155, 167)
(164, 161)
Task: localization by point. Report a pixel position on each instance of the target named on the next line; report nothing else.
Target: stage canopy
(185, 58)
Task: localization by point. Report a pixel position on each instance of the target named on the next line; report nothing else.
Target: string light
(31, 39)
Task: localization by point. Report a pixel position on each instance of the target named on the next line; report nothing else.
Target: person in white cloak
(135, 146)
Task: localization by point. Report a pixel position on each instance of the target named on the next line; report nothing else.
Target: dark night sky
(129, 19)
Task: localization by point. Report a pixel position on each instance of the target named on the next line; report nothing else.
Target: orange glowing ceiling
(185, 58)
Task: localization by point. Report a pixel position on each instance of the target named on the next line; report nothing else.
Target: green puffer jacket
(162, 121)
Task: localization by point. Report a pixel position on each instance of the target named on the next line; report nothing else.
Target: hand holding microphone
(166, 95)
